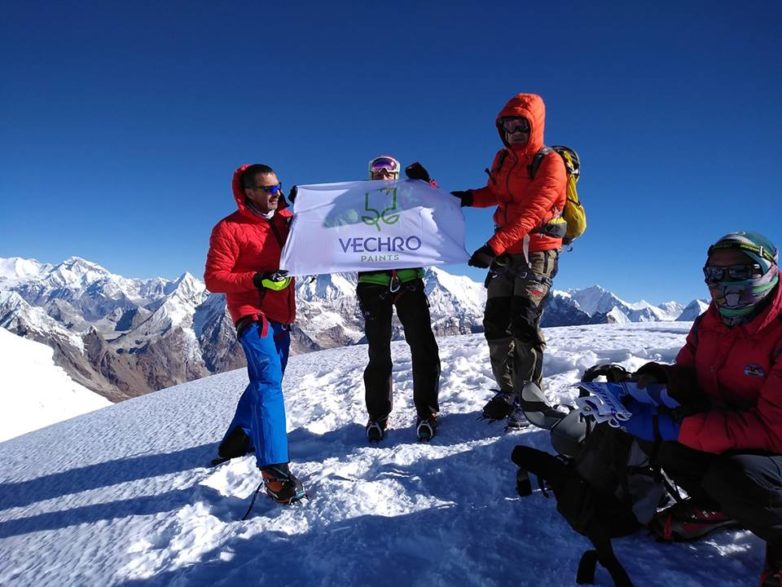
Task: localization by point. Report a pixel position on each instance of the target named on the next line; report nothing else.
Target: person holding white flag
(243, 263)
(378, 293)
(522, 254)
(386, 229)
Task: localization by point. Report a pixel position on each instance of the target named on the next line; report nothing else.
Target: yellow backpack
(573, 215)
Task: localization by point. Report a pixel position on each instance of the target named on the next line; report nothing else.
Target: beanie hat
(753, 244)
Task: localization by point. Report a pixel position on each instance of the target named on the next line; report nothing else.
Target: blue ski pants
(261, 408)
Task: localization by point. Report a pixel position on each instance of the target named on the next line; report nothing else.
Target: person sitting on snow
(728, 454)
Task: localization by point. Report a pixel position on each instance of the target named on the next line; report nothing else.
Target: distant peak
(74, 260)
(186, 277)
(598, 288)
(19, 268)
(188, 285)
(75, 263)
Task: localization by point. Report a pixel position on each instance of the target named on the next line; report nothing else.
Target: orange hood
(531, 107)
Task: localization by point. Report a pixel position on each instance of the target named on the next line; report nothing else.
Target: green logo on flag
(386, 215)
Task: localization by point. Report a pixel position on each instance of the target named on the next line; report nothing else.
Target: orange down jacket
(523, 204)
(241, 245)
(740, 370)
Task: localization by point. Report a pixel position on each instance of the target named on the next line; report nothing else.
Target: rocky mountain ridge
(125, 337)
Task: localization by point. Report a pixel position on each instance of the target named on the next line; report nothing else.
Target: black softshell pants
(745, 485)
(412, 308)
(511, 321)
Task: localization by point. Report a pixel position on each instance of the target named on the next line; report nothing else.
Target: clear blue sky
(122, 122)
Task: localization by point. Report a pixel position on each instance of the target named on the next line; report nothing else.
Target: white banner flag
(369, 225)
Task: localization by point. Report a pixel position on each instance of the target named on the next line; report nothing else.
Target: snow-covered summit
(34, 391)
(15, 269)
(148, 333)
(454, 295)
(596, 300)
(672, 309)
(328, 288)
(188, 287)
(124, 496)
(694, 309)
(76, 273)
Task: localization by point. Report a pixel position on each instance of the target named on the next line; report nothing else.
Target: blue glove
(647, 424)
(654, 394)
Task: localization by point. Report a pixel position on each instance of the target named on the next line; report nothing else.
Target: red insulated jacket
(523, 204)
(241, 245)
(740, 370)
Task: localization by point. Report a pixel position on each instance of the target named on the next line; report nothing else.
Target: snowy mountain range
(124, 496)
(125, 337)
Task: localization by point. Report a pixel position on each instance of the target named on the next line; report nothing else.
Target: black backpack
(605, 485)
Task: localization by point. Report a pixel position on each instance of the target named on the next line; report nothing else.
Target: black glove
(465, 197)
(651, 373)
(273, 276)
(613, 372)
(417, 171)
(293, 193)
(482, 258)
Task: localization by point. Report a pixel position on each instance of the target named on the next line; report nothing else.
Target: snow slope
(35, 392)
(122, 496)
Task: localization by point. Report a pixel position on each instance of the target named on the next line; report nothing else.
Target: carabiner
(394, 284)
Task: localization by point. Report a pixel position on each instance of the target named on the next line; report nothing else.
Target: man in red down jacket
(727, 453)
(244, 263)
(522, 253)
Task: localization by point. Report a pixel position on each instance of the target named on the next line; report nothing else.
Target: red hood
(239, 196)
(531, 107)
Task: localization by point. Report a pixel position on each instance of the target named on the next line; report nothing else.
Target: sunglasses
(270, 189)
(715, 274)
(514, 125)
(384, 164)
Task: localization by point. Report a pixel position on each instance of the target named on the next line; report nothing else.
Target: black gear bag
(605, 484)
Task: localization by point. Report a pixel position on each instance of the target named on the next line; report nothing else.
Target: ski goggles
(514, 125)
(716, 274)
(765, 256)
(270, 189)
(384, 163)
